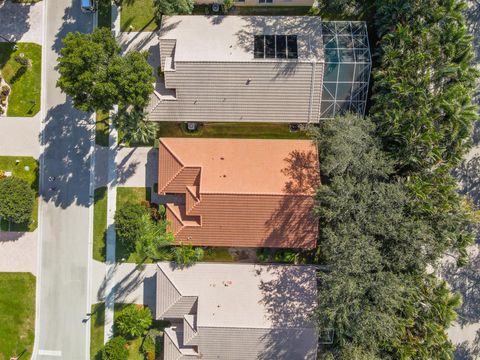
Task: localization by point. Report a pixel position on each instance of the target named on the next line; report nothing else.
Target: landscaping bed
(137, 15)
(17, 314)
(135, 345)
(125, 195)
(8, 163)
(25, 81)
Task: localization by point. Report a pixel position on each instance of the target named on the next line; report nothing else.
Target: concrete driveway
(21, 22)
(133, 283)
(136, 167)
(19, 136)
(18, 252)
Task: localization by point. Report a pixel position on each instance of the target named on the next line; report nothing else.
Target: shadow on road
(14, 20)
(66, 157)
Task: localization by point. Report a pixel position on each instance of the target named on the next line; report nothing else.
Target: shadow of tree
(18, 74)
(293, 223)
(66, 138)
(466, 351)
(289, 300)
(14, 20)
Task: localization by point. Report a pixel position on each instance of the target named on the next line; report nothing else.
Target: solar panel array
(275, 47)
(347, 68)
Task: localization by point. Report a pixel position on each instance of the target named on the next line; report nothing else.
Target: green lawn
(7, 163)
(124, 195)
(97, 322)
(232, 130)
(220, 254)
(17, 314)
(101, 128)
(24, 99)
(139, 14)
(274, 10)
(100, 223)
(105, 13)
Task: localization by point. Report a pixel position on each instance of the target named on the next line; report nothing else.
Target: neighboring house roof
(241, 192)
(264, 310)
(231, 38)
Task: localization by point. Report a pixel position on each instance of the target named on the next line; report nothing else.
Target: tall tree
(376, 250)
(424, 84)
(155, 238)
(16, 199)
(134, 125)
(94, 74)
(84, 69)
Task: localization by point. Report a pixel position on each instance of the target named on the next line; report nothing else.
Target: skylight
(275, 47)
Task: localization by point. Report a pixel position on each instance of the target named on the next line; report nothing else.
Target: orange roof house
(240, 192)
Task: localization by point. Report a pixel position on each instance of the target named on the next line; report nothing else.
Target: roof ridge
(182, 166)
(257, 193)
(197, 199)
(177, 217)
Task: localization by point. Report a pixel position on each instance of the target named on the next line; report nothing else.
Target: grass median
(17, 315)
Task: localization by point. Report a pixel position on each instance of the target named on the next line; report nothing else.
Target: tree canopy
(376, 293)
(96, 77)
(16, 199)
(424, 83)
(172, 7)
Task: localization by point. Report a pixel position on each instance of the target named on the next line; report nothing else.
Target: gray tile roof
(243, 311)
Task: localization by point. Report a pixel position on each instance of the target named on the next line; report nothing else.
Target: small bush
(115, 349)
(187, 255)
(133, 321)
(22, 60)
(153, 344)
(128, 224)
(16, 200)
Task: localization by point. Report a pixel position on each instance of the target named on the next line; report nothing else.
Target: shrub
(115, 349)
(152, 344)
(22, 60)
(227, 5)
(128, 226)
(16, 199)
(133, 321)
(187, 255)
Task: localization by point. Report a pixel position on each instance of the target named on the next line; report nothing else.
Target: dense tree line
(423, 106)
(377, 296)
(388, 205)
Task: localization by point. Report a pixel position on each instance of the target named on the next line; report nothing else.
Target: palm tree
(134, 125)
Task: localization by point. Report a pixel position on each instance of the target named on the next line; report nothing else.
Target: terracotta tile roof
(241, 192)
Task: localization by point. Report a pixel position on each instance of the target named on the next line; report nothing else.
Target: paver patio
(18, 252)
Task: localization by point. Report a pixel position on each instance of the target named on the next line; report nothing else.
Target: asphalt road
(62, 298)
